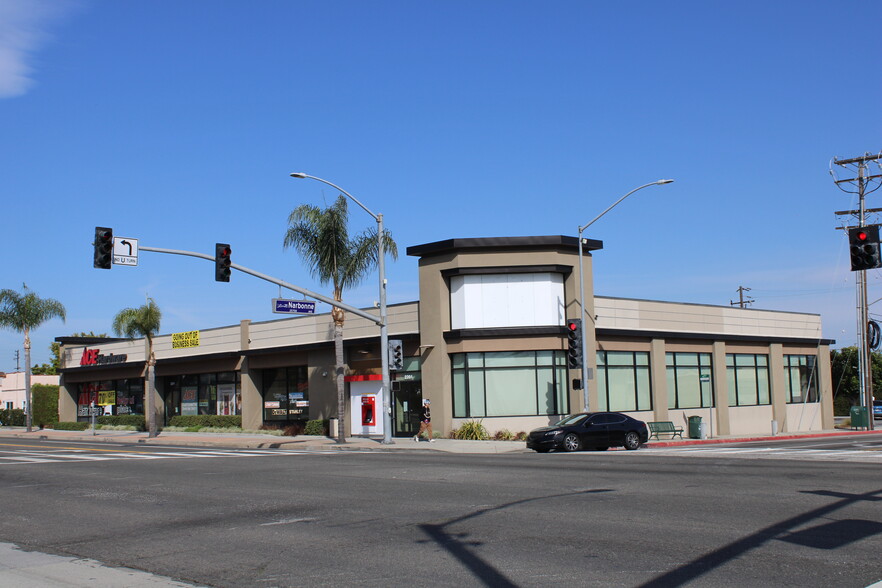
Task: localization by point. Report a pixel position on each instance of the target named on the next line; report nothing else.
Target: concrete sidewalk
(316, 443)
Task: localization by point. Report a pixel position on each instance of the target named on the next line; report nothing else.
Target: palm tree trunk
(149, 409)
(341, 397)
(27, 349)
(151, 390)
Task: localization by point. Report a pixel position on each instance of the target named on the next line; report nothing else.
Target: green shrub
(842, 406)
(317, 427)
(473, 430)
(219, 421)
(503, 435)
(12, 417)
(124, 420)
(45, 399)
(71, 426)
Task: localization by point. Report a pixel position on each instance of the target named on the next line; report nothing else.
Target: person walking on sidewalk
(425, 422)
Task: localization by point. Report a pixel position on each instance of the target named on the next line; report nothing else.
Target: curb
(781, 437)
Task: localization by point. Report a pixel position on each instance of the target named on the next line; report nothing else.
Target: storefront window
(110, 397)
(513, 383)
(623, 380)
(801, 378)
(192, 394)
(689, 380)
(285, 394)
(748, 376)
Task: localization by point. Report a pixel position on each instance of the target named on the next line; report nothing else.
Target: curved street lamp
(582, 284)
(384, 335)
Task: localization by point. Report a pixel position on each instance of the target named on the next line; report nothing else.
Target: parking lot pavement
(310, 442)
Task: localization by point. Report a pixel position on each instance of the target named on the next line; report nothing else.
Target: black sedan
(591, 430)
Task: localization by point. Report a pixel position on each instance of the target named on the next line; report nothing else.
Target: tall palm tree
(23, 313)
(143, 322)
(322, 239)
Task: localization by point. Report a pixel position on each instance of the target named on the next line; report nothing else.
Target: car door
(594, 433)
(616, 427)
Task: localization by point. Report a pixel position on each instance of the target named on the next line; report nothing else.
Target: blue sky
(177, 124)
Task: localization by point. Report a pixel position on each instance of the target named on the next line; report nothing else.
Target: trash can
(695, 427)
(859, 417)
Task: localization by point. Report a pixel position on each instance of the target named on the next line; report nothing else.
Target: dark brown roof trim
(508, 269)
(505, 243)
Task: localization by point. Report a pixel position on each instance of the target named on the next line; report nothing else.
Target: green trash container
(695, 427)
(859, 417)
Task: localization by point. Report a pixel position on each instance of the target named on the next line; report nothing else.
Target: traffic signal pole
(864, 249)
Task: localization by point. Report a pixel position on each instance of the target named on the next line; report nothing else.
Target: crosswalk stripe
(10, 457)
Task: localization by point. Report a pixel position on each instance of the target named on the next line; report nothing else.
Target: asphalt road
(265, 518)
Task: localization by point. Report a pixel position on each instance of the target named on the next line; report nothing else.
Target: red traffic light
(862, 236)
(572, 326)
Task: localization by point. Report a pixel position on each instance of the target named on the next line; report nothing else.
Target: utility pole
(862, 185)
(742, 301)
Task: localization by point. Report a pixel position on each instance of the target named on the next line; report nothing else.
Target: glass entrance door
(408, 397)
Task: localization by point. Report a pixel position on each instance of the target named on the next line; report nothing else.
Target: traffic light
(103, 245)
(222, 262)
(864, 245)
(396, 355)
(574, 340)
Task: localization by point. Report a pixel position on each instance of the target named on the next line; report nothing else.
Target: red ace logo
(90, 357)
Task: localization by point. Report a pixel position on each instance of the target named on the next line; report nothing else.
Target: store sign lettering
(94, 357)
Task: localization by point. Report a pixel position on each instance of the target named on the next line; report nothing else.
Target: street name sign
(285, 306)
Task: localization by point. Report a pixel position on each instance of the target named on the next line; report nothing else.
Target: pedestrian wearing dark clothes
(425, 422)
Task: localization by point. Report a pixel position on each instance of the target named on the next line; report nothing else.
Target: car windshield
(573, 419)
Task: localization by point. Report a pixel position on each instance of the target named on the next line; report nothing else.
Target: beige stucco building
(486, 341)
(12, 388)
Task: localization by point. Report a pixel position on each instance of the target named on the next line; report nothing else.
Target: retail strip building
(486, 341)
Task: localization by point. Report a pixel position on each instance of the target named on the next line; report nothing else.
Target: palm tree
(322, 240)
(23, 313)
(142, 322)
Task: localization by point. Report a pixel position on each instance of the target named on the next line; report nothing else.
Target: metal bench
(664, 428)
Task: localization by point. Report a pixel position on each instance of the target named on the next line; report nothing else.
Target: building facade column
(721, 389)
(777, 391)
(658, 378)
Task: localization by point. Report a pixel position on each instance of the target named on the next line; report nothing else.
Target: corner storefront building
(486, 341)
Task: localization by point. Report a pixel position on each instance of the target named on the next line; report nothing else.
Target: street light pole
(582, 288)
(384, 334)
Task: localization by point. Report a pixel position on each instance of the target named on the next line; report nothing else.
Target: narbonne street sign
(285, 306)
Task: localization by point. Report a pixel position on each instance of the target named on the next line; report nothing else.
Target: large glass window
(623, 381)
(512, 383)
(801, 378)
(213, 393)
(748, 376)
(690, 384)
(285, 393)
(110, 397)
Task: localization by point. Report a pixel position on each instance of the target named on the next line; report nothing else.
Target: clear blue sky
(177, 123)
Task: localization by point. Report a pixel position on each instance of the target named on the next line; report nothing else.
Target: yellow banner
(188, 339)
(106, 397)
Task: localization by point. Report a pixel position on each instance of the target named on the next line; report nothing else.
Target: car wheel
(572, 442)
(632, 440)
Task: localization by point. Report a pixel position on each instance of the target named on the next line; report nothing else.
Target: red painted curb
(783, 437)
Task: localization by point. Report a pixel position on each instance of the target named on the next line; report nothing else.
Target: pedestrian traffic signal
(222, 262)
(864, 245)
(574, 340)
(396, 355)
(103, 248)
